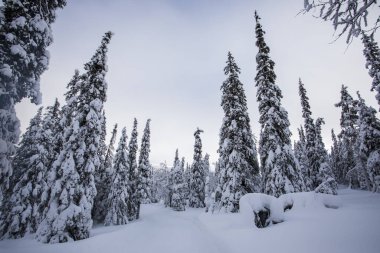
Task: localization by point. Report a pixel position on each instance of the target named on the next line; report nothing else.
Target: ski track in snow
(351, 228)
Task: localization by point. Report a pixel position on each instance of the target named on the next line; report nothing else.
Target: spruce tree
(324, 178)
(300, 152)
(280, 171)
(132, 203)
(103, 181)
(348, 135)
(177, 202)
(22, 212)
(144, 177)
(187, 178)
(336, 158)
(310, 137)
(51, 129)
(118, 197)
(368, 145)
(68, 215)
(197, 187)
(237, 150)
(317, 159)
(372, 54)
(25, 34)
(206, 166)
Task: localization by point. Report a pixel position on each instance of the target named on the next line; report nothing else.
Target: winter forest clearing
(76, 181)
(307, 229)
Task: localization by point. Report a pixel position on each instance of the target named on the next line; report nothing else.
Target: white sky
(166, 63)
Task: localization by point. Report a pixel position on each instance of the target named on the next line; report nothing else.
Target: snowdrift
(263, 210)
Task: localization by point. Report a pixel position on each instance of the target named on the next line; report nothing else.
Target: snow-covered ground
(354, 227)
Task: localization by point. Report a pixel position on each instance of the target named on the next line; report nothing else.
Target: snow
(6, 70)
(308, 227)
(17, 49)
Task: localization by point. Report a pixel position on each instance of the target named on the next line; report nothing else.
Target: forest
(68, 178)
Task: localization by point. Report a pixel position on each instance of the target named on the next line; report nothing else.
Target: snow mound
(264, 210)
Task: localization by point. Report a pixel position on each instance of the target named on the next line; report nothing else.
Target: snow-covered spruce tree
(237, 150)
(335, 158)
(207, 173)
(144, 186)
(68, 215)
(25, 150)
(206, 166)
(25, 34)
(51, 130)
(101, 175)
(368, 145)
(187, 178)
(177, 202)
(197, 187)
(21, 212)
(300, 152)
(117, 199)
(348, 135)
(103, 182)
(133, 201)
(324, 179)
(160, 183)
(170, 182)
(372, 54)
(310, 136)
(279, 167)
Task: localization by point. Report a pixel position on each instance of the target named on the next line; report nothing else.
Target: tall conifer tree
(372, 54)
(348, 135)
(280, 171)
(197, 187)
(68, 215)
(117, 199)
(177, 199)
(25, 34)
(22, 209)
(144, 175)
(300, 152)
(239, 169)
(103, 181)
(368, 146)
(133, 203)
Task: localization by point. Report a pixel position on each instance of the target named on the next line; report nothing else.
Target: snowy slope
(354, 227)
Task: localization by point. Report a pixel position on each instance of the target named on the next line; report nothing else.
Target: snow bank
(253, 205)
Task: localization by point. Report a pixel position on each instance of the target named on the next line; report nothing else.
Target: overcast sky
(166, 63)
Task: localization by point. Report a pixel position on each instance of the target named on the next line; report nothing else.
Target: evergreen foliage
(144, 168)
(25, 34)
(22, 209)
(103, 181)
(68, 214)
(324, 179)
(300, 152)
(336, 156)
(197, 187)
(317, 159)
(118, 197)
(310, 138)
(280, 170)
(348, 136)
(239, 169)
(372, 54)
(368, 143)
(177, 202)
(133, 201)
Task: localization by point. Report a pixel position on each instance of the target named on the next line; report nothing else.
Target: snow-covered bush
(265, 210)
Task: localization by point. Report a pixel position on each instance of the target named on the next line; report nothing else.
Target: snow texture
(308, 227)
